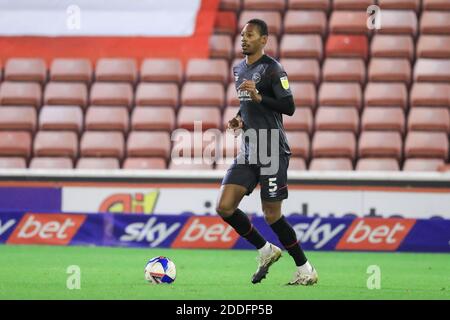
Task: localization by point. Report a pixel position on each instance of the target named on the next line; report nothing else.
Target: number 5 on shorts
(273, 184)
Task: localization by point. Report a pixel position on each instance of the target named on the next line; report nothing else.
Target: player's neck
(251, 59)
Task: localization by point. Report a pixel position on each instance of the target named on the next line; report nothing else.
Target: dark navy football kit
(265, 122)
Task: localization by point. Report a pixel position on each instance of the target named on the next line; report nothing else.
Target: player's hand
(250, 86)
(235, 126)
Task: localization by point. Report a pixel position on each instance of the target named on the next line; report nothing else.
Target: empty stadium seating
(366, 99)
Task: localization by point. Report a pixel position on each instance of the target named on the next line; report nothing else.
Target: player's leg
(273, 191)
(305, 274)
(238, 182)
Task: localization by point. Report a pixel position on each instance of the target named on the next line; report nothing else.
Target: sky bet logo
(130, 203)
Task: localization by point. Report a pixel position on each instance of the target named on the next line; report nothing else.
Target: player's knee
(225, 209)
(271, 216)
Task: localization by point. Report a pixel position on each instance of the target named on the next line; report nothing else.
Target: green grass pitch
(40, 272)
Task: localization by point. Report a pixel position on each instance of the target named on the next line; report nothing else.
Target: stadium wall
(184, 231)
(311, 194)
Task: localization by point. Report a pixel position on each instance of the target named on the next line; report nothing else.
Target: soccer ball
(160, 270)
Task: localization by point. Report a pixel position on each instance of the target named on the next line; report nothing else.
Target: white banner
(200, 201)
(98, 17)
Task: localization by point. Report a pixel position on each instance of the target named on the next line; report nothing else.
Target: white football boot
(264, 263)
(305, 278)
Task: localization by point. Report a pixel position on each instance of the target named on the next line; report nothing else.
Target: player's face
(251, 40)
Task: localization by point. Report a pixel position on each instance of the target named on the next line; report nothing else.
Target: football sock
(241, 223)
(288, 239)
(306, 268)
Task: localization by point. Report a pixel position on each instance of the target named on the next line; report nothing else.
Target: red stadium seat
(400, 4)
(392, 46)
(107, 118)
(278, 5)
(349, 22)
(299, 144)
(422, 164)
(430, 94)
(301, 46)
(209, 70)
(15, 143)
(206, 117)
(432, 70)
(116, 69)
(111, 94)
(153, 118)
(203, 94)
(297, 21)
(323, 5)
(102, 144)
(331, 164)
(301, 120)
(161, 70)
(51, 163)
(334, 144)
(421, 144)
(187, 144)
(390, 70)
(12, 163)
(298, 164)
(382, 118)
(228, 114)
(232, 5)
(79, 70)
(61, 93)
(429, 119)
(98, 163)
(386, 94)
(20, 93)
(157, 94)
(377, 164)
(68, 118)
(347, 46)
(436, 5)
(399, 22)
(337, 119)
(148, 144)
(225, 23)
(435, 22)
(56, 144)
(224, 164)
(194, 164)
(307, 70)
(18, 118)
(220, 46)
(232, 99)
(304, 94)
(340, 94)
(270, 49)
(338, 69)
(433, 46)
(26, 69)
(272, 18)
(380, 144)
(145, 164)
(352, 4)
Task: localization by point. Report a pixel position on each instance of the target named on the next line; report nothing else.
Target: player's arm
(283, 101)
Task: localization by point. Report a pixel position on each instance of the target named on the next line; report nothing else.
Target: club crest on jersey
(284, 82)
(256, 77)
